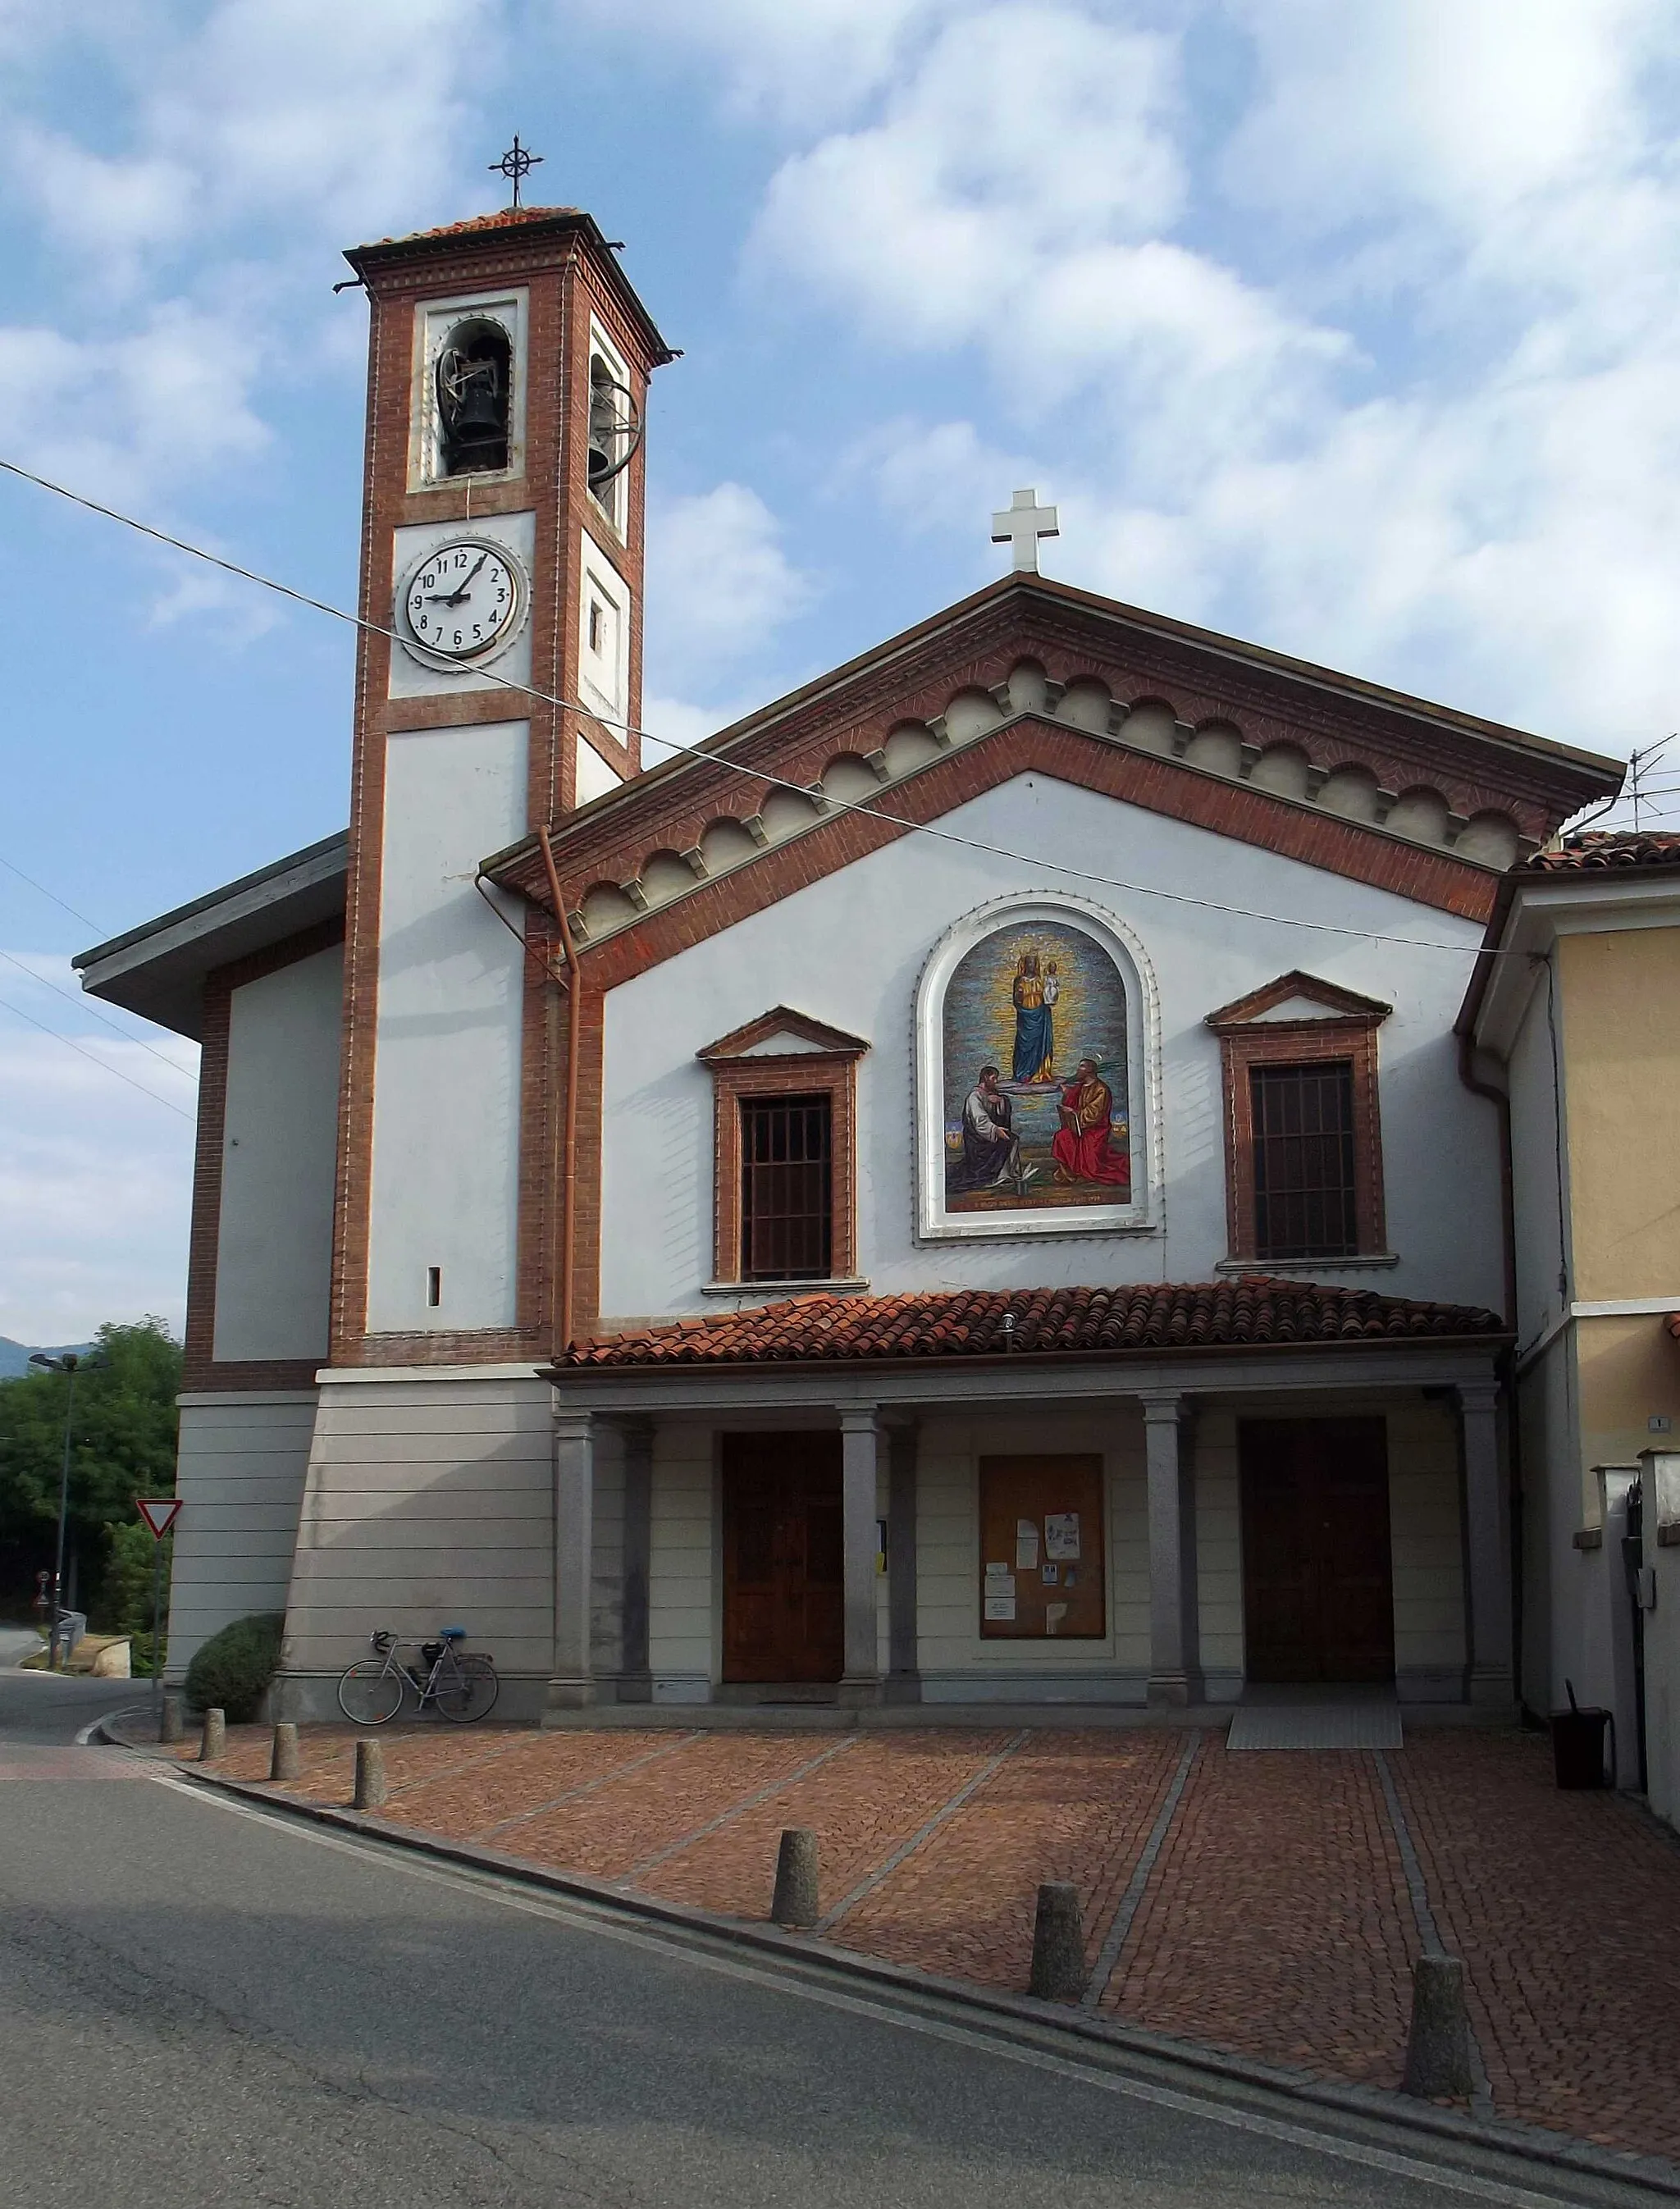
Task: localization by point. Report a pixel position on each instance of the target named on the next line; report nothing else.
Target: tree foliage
(122, 1446)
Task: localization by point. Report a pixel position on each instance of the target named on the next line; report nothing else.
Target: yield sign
(159, 1513)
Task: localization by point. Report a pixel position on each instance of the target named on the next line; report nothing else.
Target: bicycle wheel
(471, 1693)
(371, 1692)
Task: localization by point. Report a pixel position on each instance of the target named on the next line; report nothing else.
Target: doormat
(1317, 1725)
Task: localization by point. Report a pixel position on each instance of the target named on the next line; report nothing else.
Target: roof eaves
(296, 863)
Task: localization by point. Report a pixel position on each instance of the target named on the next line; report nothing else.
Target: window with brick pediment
(1303, 1150)
(784, 1114)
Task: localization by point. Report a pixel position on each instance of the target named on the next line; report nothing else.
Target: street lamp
(70, 1365)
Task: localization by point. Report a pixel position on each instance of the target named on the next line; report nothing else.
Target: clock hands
(460, 591)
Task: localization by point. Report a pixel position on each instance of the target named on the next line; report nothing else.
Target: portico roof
(1254, 1311)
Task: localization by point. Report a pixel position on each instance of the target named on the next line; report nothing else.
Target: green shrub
(234, 1667)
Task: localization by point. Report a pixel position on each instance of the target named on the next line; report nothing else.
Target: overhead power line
(69, 1044)
(717, 759)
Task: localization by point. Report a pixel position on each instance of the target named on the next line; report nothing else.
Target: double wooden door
(784, 1557)
(1317, 1578)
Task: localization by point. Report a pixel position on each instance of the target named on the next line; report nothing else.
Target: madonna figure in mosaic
(1050, 1136)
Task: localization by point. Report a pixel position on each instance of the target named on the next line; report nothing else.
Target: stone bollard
(174, 1726)
(215, 1744)
(283, 1764)
(795, 1900)
(370, 1776)
(1058, 1944)
(1437, 2049)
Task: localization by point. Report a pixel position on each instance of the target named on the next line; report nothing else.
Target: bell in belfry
(472, 404)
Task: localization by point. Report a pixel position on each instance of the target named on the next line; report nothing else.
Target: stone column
(1174, 1672)
(1487, 1525)
(635, 1682)
(572, 1684)
(859, 1439)
(903, 1678)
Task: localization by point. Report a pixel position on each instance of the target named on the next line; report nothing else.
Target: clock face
(463, 599)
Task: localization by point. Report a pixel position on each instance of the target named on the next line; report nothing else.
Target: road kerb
(1530, 2144)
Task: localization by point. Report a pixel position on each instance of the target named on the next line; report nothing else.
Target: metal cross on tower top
(515, 165)
(1021, 525)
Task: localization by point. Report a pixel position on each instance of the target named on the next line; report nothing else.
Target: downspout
(568, 1142)
(1499, 1099)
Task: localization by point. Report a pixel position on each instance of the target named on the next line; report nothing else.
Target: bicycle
(459, 1687)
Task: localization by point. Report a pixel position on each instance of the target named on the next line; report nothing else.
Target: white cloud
(792, 60)
(95, 1179)
(1458, 479)
(341, 119)
(1026, 138)
(718, 584)
(116, 417)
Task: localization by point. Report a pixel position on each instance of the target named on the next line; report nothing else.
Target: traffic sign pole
(160, 1513)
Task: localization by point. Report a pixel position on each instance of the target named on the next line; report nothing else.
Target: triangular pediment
(1296, 997)
(1032, 676)
(783, 1033)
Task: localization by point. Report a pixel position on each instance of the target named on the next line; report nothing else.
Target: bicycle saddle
(453, 1633)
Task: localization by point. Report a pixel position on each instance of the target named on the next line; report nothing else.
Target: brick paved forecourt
(1256, 1904)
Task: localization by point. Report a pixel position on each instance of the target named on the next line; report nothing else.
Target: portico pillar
(572, 1683)
(860, 1443)
(904, 1677)
(1175, 1670)
(1487, 1528)
(636, 1684)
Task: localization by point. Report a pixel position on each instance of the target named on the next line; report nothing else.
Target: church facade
(962, 1190)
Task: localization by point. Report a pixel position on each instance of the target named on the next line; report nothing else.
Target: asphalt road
(201, 2004)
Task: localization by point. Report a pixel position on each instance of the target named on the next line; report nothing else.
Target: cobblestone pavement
(1271, 1917)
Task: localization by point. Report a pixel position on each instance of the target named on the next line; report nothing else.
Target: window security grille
(786, 1188)
(1303, 1161)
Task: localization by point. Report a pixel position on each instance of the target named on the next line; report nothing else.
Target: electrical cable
(755, 775)
(49, 895)
(82, 1005)
(6, 1005)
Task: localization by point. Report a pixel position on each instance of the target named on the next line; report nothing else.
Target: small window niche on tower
(474, 380)
(615, 430)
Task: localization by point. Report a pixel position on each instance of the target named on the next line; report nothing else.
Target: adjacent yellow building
(1572, 1017)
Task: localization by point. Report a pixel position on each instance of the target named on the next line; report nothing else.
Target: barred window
(1305, 1193)
(786, 1188)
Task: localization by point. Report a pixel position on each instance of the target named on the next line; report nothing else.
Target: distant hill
(15, 1355)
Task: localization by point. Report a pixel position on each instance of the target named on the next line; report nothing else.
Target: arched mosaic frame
(936, 1218)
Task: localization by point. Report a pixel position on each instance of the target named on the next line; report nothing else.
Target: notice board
(1042, 1569)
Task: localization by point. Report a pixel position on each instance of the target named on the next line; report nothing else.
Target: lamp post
(69, 1364)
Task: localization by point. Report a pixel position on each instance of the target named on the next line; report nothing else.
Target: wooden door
(1317, 1579)
(784, 1575)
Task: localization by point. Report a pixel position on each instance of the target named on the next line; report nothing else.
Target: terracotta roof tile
(1602, 849)
(499, 218)
(1253, 1310)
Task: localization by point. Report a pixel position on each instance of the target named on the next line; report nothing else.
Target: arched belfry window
(1038, 1075)
(474, 378)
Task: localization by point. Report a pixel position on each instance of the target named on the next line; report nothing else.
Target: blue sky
(1351, 330)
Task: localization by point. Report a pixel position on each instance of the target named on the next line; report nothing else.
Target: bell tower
(507, 379)
(502, 546)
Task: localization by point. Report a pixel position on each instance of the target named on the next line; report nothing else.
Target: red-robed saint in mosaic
(1083, 1146)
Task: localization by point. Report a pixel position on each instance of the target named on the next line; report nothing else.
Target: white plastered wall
(1212, 1439)
(429, 1502)
(240, 1477)
(682, 1577)
(447, 1060)
(848, 949)
(279, 1148)
(1426, 1540)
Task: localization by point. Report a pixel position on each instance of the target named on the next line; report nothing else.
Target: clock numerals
(462, 600)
